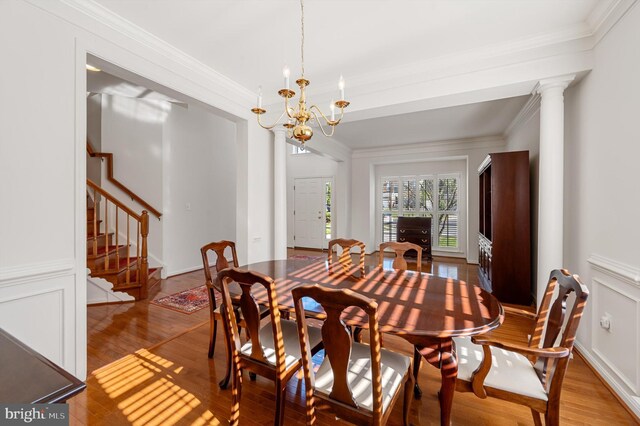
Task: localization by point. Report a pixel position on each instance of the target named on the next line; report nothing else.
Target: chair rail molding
(20, 274)
(618, 270)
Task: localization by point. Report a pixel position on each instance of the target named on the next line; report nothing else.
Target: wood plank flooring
(149, 366)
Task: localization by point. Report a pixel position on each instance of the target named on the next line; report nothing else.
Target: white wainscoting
(615, 353)
(37, 306)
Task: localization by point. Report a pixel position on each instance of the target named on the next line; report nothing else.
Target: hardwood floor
(149, 366)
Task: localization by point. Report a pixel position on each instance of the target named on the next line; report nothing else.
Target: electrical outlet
(605, 322)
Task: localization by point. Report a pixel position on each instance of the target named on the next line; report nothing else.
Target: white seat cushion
(510, 371)
(393, 368)
(290, 338)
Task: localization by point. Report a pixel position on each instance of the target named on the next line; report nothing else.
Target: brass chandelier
(297, 118)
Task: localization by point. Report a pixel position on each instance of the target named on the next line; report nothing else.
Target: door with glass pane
(313, 212)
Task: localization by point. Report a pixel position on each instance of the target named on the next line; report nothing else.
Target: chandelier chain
(302, 41)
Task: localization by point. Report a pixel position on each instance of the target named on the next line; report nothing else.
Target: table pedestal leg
(441, 355)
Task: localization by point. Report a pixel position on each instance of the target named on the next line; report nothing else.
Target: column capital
(279, 129)
(559, 82)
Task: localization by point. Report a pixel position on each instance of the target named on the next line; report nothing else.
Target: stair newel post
(94, 242)
(144, 264)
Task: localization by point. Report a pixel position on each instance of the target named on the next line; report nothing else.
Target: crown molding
(605, 16)
(117, 23)
(431, 147)
(577, 38)
(530, 108)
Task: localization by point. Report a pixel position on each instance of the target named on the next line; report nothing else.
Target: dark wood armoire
(505, 227)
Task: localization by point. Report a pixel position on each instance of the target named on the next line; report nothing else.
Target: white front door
(309, 213)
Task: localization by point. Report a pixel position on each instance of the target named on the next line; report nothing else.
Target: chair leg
(536, 418)
(212, 337)
(552, 416)
(280, 397)
(357, 334)
(406, 405)
(229, 366)
(236, 394)
(417, 359)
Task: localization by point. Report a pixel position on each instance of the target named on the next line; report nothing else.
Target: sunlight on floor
(142, 386)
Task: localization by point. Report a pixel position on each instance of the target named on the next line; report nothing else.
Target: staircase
(117, 244)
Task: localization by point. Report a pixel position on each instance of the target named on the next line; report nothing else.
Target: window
(435, 196)
(327, 210)
(299, 149)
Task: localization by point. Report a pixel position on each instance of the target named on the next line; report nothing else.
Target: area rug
(187, 301)
(304, 257)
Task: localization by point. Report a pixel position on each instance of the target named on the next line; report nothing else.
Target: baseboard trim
(630, 403)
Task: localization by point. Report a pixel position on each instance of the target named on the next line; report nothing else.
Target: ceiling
(103, 82)
(459, 122)
(249, 41)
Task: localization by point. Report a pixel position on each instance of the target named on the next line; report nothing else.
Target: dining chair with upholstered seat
(344, 257)
(529, 374)
(219, 248)
(399, 249)
(358, 382)
(273, 350)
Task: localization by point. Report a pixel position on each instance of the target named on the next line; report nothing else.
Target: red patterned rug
(304, 257)
(187, 301)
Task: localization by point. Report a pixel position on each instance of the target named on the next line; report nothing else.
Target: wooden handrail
(114, 200)
(113, 180)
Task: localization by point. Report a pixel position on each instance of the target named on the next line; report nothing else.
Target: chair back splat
(344, 257)
(400, 249)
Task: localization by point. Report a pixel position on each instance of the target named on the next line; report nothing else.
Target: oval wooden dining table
(426, 310)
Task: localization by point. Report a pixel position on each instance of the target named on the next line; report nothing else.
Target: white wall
(306, 166)
(199, 173)
(602, 204)
(363, 190)
(132, 131)
(43, 160)
(426, 168)
(525, 136)
(94, 135)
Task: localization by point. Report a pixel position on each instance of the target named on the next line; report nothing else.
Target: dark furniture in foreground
(504, 230)
(416, 230)
(26, 377)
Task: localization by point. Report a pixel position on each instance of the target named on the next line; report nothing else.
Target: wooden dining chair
(401, 264)
(273, 350)
(219, 248)
(344, 257)
(529, 374)
(400, 249)
(359, 383)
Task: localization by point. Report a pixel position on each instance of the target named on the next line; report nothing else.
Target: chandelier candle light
(298, 118)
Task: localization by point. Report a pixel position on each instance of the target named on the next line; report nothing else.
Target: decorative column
(551, 178)
(280, 193)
